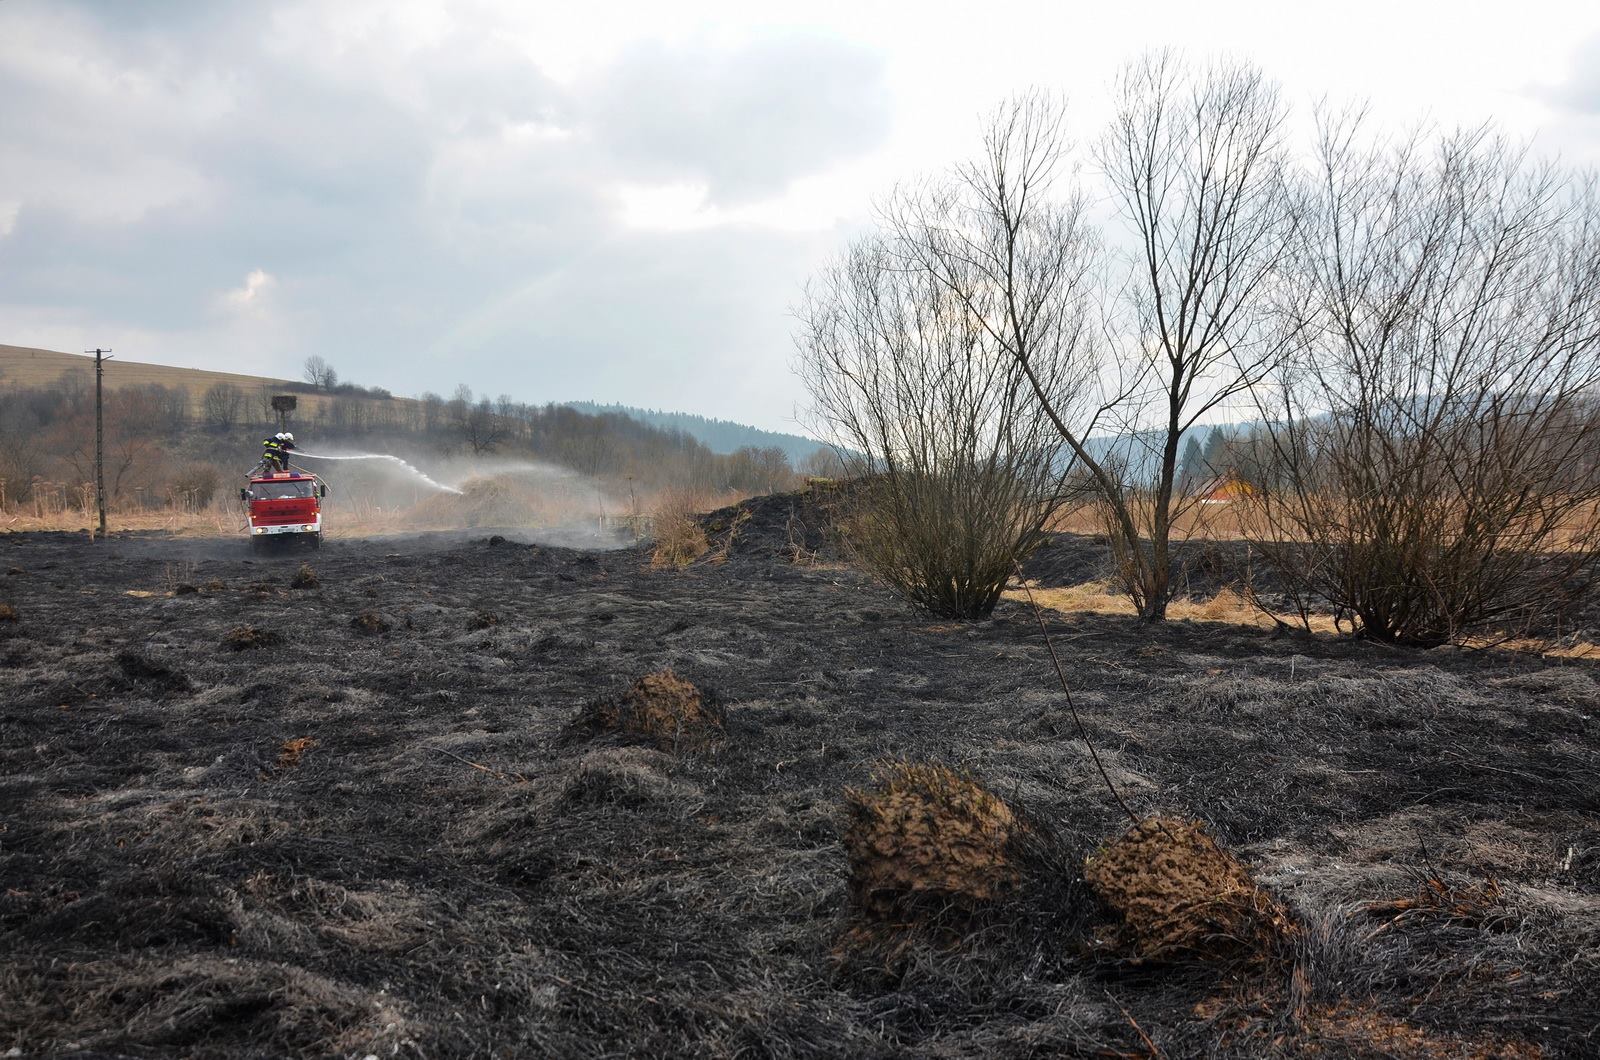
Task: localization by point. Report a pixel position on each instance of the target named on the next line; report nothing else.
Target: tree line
(162, 442)
(1411, 324)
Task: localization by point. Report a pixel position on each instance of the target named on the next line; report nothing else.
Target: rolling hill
(24, 366)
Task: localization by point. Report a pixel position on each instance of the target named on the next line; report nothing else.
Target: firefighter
(273, 454)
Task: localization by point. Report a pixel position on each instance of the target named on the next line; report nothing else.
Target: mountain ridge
(720, 436)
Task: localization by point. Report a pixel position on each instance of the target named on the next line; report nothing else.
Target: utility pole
(100, 435)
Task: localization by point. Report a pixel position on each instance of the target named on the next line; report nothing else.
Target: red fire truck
(285, 509)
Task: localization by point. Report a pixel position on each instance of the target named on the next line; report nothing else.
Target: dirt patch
(660, 708)
(7, 613)
(305, 578)
(247, 638)
(1179, 896)
(928, 843)
(291, 750)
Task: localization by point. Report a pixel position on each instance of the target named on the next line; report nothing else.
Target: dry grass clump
(370, 623)
(661, 708)
(7, 613)
(1228, 605)
(679, 537)
(1476, 904)
(305, 578)
(291, 750)
(623, 777)
(929, 844)
(245, 638)
(1355, 1029)
(483, 620)
(1180, 896)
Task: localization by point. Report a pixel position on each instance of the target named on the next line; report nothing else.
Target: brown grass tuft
(370, 623)
(290, 751)
(305, 578)
(1477, 904)
(483, 620)
(928, 843)
(1180, 896)
(659, 707)
(679, 537)
(7, 613)
(245, 638)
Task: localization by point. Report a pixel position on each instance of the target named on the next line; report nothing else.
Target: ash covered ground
(241, 818)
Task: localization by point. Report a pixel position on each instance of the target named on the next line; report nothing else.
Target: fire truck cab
(285, 507)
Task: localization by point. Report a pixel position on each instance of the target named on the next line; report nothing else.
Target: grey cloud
(444, 217)
(747, 121)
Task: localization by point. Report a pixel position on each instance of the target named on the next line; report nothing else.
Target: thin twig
(1061, 675)
(507, 777)
(1155, 1050)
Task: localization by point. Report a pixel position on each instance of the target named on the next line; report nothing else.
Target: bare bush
(1432, 457)
(194, 484)
(907, 350)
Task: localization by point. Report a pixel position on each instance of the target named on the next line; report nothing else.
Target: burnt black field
(243, 819)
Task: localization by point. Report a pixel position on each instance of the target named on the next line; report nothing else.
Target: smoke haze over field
(532, 200)
(532, 501)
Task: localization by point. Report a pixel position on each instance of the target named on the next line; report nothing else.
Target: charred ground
(367, 826)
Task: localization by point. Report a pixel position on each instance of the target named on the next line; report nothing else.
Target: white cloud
(8, 216)
(251, 296)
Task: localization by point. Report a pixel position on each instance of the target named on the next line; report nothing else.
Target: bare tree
(481, 428)
(319, 373)
(958, 462)
(221, 406)
(1437, 437)
(1195, 164)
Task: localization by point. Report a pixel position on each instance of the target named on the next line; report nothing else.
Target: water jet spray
(417, 472)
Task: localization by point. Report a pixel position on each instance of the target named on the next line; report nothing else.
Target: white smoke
(417, 472)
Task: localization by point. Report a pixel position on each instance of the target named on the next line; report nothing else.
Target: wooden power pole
(100, 435)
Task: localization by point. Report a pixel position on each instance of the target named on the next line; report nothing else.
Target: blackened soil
(430, 870)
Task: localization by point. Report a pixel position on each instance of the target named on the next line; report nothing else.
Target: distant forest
(720, 436)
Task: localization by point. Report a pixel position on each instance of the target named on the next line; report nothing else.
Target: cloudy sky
(611, 201)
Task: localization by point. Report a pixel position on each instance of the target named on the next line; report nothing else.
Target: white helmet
(288, 437)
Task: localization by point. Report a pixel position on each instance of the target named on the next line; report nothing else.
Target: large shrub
(1431, 459)
(959, 465)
